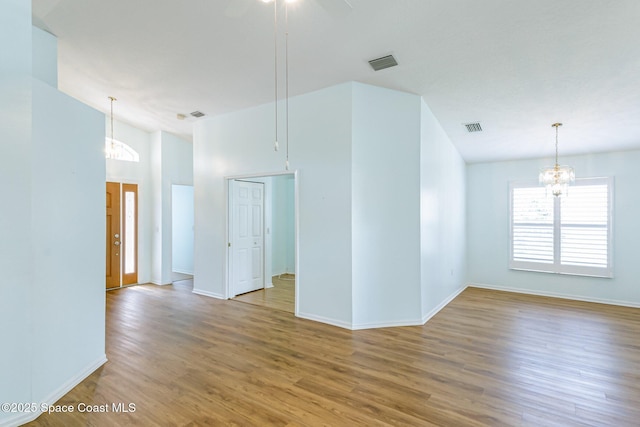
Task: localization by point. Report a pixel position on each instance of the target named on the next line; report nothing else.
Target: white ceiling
(517, 66)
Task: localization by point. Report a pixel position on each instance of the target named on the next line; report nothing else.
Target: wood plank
(488, 358)
(280, 297)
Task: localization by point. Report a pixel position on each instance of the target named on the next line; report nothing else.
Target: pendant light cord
(556, 144)
(286, 74)
(275, 66)
(112, 143)
(556, 125)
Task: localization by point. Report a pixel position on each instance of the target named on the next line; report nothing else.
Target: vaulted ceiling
(516, 66)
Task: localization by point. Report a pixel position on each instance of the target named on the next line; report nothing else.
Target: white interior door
(247, 236)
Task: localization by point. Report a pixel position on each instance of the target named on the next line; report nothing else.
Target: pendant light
(557, 178)
(111, 147)
(286, 76)
(275, 67)
(276, 145)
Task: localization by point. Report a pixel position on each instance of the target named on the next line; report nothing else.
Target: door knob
(116, 236)
(116, 243)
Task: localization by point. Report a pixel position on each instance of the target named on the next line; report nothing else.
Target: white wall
(16, 262)
(385, 207)
(442, 216)
(182, 228)
(242, 143)
(68, 187)
(135, 173)
(488, 228)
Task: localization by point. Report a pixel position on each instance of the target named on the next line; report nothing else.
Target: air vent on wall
(473, 127)
(197, 114)
(382, 63)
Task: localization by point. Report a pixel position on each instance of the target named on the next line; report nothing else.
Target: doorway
(182, 227)
(247, 236)
(279, 235)
(121, 235)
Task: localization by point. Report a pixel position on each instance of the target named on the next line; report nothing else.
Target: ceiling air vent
(197, 114)
(382, 63)
(473, 127)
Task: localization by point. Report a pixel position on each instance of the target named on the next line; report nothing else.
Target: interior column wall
(385, 207)
(68, 219)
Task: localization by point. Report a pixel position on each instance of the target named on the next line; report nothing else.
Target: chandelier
(556, 179)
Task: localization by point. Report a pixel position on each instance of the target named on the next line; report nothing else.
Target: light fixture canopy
(557, 178)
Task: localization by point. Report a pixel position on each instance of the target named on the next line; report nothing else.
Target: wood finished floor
(487, 359)
(280, 297)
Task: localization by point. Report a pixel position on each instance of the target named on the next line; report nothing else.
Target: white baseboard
(321, 319)
(390, 324)
(442, 305)
(554, 295)
(208, 294)
(54, 396)
(269, 285)
(183, 271)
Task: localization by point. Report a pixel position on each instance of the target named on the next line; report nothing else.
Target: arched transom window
(118, 150)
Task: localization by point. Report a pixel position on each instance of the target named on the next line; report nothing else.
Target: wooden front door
(122, 235)
(113, 240)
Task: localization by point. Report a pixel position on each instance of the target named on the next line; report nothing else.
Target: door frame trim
(227, 200)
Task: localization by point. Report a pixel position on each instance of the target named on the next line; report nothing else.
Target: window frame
(556, 266)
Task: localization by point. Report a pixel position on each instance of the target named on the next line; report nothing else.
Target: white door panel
(247, 236)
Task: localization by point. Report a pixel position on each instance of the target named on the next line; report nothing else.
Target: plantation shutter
(584, 226)
(532, 225)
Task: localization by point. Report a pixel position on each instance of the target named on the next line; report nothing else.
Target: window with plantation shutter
(532, 219)
(570, 234)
